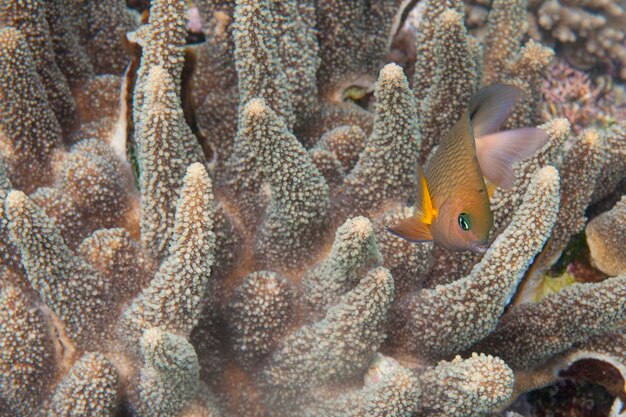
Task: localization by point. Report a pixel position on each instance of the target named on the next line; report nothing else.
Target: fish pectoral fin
(498, 152)
(424, 202)
(412, 229)
(491, 188)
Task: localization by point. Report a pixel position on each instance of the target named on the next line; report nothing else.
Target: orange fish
(452, 206)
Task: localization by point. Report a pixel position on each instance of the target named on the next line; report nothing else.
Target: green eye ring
(464, 222)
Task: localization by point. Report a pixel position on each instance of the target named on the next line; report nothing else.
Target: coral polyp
(199, 229)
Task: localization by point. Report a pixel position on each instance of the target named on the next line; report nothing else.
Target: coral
(453, 50)
(172, 299)
(353, 250)
(506, 26)
(73, 290)
(169, 377)
(455, 326)
(389, 389)
(612, 173)
(88, 388)
(585, 101)
(24, 341)
(28, 142)
(559, 321)
(597, 31)
(463, 387)
(457, 64)
(334, 348)
(299, 193)
(377, 176)
(589, 32)
(205, 234)
(605, 236)
(260, 308)
(29, 17)
(579, 171)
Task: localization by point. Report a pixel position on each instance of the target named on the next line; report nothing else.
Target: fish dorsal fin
(454, 165)
(498, 152)
(417, 227)
(456, 149)
(491, 106)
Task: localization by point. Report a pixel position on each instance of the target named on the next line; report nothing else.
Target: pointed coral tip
(450, 18)
(548, 175)
(256, 107)
(14, 202)
(391, 72)
(196, 170)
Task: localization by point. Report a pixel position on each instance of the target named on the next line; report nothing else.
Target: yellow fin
(417, 227)
(424, 209)
(412, 229)
(491, 188)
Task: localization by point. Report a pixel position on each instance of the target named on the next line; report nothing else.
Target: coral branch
(557, 322)
(505, 29)
(161, 135)
(29, 131)
(464, 387)
(579, 171)
(341, 344)
(24, 341)
(425, 44)
(606, 236)
(390, 390)
(66, 283)
(169, 377)
(299, 193)
(454, 80)
(88, 389)
(256, 54)
(387, 167)
(354, 252)
(505, 202)
(172, 300)
(29, 17)
(260, 309)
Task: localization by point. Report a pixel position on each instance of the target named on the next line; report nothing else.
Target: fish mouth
(480, 247)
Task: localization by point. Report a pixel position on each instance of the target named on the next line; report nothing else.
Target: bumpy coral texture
(590, 33)
(202, 232)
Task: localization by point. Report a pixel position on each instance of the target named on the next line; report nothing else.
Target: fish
(452, 205)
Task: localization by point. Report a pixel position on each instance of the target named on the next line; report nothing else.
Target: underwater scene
(313, 208)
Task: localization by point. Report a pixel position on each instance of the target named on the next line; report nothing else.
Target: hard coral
(588, 32)
(261, 281)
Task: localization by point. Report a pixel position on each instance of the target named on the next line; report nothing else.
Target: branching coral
(590, 32)
(605, 237)
(246, 269)
(27, 142)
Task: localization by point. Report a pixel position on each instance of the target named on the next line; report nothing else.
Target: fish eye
(464, 221)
